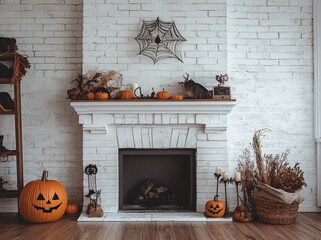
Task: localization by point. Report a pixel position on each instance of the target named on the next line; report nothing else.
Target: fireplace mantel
(153, 106)
(152, 124)
(93, 115)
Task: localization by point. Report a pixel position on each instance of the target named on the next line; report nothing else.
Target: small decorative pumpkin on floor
(163, 94)
(42, 200)
(242, 214)
(214, 208)
(72, 209)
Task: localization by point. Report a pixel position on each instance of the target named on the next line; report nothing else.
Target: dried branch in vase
(93, 81)
(274, 165)
(256, 145)
(247, 167)
(291, 179)
(273, 170)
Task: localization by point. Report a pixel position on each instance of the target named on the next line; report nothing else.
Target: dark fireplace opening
(157, 179)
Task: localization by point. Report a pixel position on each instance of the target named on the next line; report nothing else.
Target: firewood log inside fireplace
(148, 193)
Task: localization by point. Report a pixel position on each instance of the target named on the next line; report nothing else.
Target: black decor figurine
(94, 207)
(193, 89)
(91, 171)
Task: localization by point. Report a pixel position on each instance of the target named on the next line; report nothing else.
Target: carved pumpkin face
(42, 201)
(214, 209)
(54, 204)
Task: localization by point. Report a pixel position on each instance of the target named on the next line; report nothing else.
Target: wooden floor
(308, 226)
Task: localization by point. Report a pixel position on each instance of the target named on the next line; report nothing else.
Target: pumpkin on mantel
(177, 97)
(101, 95)
(126, 94)
(90, 96)
(163, 94)
(42, 201)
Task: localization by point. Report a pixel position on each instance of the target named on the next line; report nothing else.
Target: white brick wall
(264, 45)
(110, 28)
(50, 33)
(271, 70)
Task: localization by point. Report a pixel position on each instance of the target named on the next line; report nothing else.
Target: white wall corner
(317, 90)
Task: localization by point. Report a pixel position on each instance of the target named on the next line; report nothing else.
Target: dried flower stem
(270, 169)
(256, 145)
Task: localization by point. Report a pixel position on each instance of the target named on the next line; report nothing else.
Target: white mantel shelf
(153, 106)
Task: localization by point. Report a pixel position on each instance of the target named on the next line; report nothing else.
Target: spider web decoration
(159, 39)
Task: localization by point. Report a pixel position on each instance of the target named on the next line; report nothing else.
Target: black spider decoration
(159, 39)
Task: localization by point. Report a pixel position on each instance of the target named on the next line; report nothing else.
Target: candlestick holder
(217, 175)
(225, 182)
(241, 212)
(237, 183)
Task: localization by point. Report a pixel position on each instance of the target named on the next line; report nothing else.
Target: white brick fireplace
(112, 125)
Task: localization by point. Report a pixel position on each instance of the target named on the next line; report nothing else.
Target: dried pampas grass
(273, 170)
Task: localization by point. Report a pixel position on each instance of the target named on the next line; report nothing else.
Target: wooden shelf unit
(18, 132)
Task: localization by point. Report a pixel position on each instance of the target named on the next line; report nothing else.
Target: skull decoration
(214, 209)
(42, 200)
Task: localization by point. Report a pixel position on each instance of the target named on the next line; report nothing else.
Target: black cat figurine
(195, 90)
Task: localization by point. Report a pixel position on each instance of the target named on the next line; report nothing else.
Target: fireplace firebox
(157, 179)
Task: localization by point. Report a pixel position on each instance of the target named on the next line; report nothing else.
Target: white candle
(134, 86)
(225, 176)
(237, 177)
(218, 170)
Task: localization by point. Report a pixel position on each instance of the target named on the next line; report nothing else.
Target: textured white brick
(278, 61)
(264, 46)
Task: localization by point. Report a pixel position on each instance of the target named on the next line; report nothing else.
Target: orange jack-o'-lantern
(42, 200)
(214, 208)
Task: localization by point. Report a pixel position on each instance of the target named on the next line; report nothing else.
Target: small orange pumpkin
(163, 94)
(126, 94)
(242, 214)
(101, 95)
(90, 96)
(177, 97)
(214, 208)
(72, 208)
(42, 200)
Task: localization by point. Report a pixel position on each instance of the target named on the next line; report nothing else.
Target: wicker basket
(275, 213)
